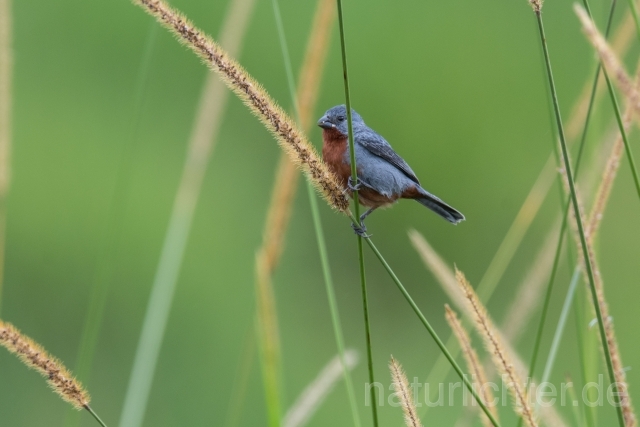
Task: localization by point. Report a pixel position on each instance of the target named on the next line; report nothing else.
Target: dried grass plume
(475, 367)
(609, 58)
(401, 386)
(290, 138)
(500, 358)
(36, 357)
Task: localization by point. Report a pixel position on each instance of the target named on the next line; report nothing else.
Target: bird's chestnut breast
(334, 148)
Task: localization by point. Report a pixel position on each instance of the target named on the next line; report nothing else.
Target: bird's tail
(438, 206)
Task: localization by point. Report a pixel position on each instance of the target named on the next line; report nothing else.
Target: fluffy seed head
(36, 357)
(290, 138)
(401, 386)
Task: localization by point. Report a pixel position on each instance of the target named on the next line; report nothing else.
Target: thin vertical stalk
(201, 144)
(303, 104)
(6, 65)
(356, 208)
(576, 209)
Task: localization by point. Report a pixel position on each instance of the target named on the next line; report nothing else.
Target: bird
(383, 176)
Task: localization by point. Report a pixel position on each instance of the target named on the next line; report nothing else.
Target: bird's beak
(324, 123)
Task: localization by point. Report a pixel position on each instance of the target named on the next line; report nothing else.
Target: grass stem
(92, 412)
(354, 177)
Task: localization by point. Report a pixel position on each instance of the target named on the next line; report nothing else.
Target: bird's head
(336, 118)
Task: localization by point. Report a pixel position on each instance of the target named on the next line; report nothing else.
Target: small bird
(383, 176)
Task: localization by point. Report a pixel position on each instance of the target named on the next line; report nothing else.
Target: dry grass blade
(36, 357)
(494, 345)
(620, 43)
(609, 58)
(471, 357)
(401, 386)
(527, 299)
(290, 138)
(610, 171)
(315, 393)
(267, 322)
(6, 62)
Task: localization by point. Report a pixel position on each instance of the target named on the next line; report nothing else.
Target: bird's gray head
(336, 118)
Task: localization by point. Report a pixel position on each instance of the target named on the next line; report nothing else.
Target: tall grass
(576, 209)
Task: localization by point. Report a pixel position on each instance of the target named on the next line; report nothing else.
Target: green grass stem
(576, 208)
(356, 208)
(562, 322)
(92, 412)
(317, 224)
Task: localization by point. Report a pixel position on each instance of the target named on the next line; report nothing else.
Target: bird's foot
(360, 230)
(352, 186)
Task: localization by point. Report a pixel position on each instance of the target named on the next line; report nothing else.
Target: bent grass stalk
(36, 357)
(281, 126)
(201, 144)
(576, 206)
(304, 103)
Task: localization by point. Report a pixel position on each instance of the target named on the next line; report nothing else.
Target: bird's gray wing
(377, 145)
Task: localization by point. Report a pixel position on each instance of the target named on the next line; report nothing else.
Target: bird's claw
(352, 186)
(360, 230)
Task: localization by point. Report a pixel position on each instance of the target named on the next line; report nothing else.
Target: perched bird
(383, 176)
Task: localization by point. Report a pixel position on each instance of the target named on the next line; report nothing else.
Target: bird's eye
(340, 118)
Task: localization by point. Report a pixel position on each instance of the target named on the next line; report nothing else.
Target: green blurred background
(456, 87)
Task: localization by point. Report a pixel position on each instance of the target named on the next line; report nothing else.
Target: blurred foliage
(456, 87)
